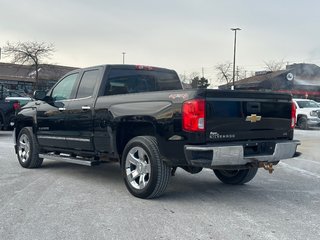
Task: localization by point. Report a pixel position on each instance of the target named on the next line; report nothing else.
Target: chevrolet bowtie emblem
(253, 118)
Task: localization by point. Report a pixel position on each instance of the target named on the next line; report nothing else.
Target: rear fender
(130, 127)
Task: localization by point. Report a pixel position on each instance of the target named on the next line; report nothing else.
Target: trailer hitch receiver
(267, 166)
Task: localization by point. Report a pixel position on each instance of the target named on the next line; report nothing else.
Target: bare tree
(188, 78)
(224, 72)
(193, 75)
(30, 52)
(273, 65)
(183, 78)
(241, 73)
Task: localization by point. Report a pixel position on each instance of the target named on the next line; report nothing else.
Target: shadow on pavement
(202, 187)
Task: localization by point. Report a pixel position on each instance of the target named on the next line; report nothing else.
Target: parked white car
(308, 113)
(318, 103)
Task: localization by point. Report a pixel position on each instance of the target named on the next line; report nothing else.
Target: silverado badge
(253, 118)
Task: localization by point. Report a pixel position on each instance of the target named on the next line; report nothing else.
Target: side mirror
(39, 95)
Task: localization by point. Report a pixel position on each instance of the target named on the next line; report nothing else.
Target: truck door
(51, 114)
(79, 114)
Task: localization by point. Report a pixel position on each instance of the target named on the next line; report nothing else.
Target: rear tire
(28, 149)
(236, 177)
(4, 125)
(303, 123)
(145, 173)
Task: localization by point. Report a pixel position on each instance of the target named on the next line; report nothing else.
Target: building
(22, 77)
(301, 80)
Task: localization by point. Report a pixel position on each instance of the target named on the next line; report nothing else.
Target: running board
(83, 161)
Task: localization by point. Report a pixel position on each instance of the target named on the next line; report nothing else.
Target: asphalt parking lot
(67, 201)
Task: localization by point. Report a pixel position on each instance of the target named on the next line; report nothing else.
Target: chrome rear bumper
(234, 154)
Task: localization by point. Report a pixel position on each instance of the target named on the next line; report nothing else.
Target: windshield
(307, 104)
(318, 104)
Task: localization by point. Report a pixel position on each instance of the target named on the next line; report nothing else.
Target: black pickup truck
(141, 117)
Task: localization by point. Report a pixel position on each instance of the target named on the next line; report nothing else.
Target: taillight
(293, 115)
(16, 106)
(193, 115)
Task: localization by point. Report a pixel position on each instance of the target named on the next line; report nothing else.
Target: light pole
(234, 55)
(123, 55)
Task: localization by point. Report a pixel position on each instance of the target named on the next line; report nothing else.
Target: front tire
(145, 174)
(236, 177)
(28, 149)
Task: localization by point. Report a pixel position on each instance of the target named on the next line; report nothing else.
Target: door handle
(86, 107)
(62, 109)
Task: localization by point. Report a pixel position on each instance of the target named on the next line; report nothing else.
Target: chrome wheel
(24, 148)
(28, 149)
(138, 168)
(145, 173)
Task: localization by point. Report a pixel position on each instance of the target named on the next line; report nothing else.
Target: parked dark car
(8, 111)
(21, 100)
(4, 92)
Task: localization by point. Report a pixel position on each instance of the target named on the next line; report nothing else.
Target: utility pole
(202, 72)
(123, 56)
(237, 73)
(234, 54)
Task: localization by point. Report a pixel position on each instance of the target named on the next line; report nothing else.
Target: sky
(187, 36)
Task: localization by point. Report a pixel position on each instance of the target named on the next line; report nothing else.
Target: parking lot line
(302, 171)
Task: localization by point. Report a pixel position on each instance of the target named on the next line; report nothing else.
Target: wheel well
(300, 116)
(127, 131)
(19, 126)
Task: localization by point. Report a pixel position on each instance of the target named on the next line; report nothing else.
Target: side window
(65, 88)
(168, 81)
(87, 84)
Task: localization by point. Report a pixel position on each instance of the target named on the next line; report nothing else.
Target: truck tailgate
(235, 115)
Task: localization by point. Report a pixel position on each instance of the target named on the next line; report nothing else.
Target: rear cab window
(122, 80)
